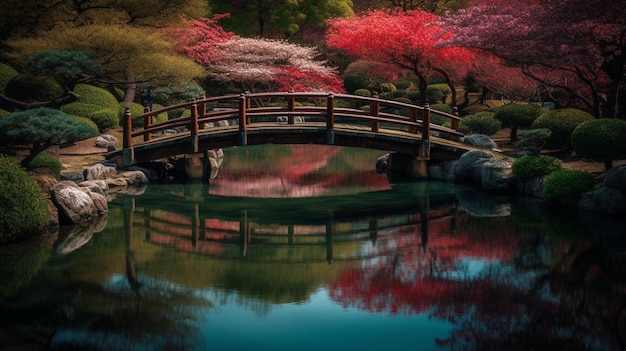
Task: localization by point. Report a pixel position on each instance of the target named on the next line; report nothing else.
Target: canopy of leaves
(405, 39)
(576, 45)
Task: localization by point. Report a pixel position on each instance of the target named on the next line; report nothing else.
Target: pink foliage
(198, 39)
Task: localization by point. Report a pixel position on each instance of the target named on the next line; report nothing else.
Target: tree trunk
(446, 76)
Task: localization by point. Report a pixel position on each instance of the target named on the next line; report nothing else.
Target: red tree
(408, 40)
(576, 45)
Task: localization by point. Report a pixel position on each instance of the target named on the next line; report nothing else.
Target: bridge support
(406, 166)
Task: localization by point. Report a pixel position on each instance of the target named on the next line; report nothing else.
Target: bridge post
(291, 102)
(413, 118)
(375, 111)
(426, 122)
(202, 110)
(455, 123)
(193, 127)
(243, 104)
(128, 156)
(330, 119)
(147, 121)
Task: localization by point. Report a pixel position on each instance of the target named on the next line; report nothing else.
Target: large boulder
(77, 204)
(98, 171)
(442, 170)
(497, 175)
(468, 169)
(610, 197)
(480, 140)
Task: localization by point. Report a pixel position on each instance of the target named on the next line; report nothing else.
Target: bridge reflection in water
(246, 228)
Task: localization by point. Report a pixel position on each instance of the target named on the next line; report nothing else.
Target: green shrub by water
(565, 186)
(23, 209)
(562, 124)
(46, 163)
(535, 166)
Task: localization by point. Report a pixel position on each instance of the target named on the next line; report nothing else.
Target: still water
(308, 248)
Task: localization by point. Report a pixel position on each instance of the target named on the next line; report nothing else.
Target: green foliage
(6, 74)
(136, 110)
(42, 127)
(23, 209)
(414, 95)
(480, 123)
(20, 263)
(363, 92)
(45, 163)
(518, 115)
(86, 121)
(533, 139)
(70, 65)
(105, 118)
(565, 186)
(437, 119)
(527, 167)
(4, 112)
(91, 94)
(403, 84)
(562, 123)
(436, 93)
(28, 88)
(601, 140)
(352, 83)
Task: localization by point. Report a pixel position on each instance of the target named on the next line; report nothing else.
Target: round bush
(354, 82)
(602, 140)
(565, 186)
(562, 124)
(363, 92)
(87, 121)
(25, 87)
(46, 163)
(23, 207)
(436, 93)
(105, 119)
(414, 95)
(535, 166)
(6, 74)
(90, 94)
(480, 123)
(516, 116)
(80, 109)
(403, 84)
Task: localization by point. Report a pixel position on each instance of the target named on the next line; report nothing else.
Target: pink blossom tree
(578, 46)
(256, 63)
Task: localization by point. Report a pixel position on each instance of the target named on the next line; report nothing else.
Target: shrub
(602, 140)
(535, 166)
(6, 74)
(363, 92)
(90, 94)
(23, 208)
(561, 123)
(517, 116)
(403, 84)
(414, 95)
(480, 123)
(45, 163)
(533, 140)
(437, 93)
(565, 186)
(354, 82)
(86, 121)
(105, 118)
(25, 87)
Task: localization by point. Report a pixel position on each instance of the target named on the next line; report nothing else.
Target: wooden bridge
(292, 118)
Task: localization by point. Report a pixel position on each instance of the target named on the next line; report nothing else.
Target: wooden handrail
(202, 112)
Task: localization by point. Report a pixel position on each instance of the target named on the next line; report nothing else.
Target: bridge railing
(250, 108)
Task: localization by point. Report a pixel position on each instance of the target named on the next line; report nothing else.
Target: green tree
(516, 116)
(602, 140)
(41, 128)
(23, 209)
(562, 123)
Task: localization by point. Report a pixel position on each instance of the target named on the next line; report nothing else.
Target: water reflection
(423, 266)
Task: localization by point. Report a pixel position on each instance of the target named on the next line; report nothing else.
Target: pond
(307, 247)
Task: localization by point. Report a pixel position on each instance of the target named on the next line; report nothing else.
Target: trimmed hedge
(565, 186)
(480, 123)
(535, 166)
(602, 140)
(562, 124)
(517, 116)
(46, 163)
(91, 94)
(28, 88)
(23, 209)
(6, 74)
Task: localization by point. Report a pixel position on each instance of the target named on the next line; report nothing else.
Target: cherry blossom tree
(578, 46)
(407, 39)
(256, 63)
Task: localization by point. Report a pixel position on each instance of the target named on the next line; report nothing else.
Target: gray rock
(106, 140)
(480, 140)
(442, 170)
(604, 199)
(134, 177)
(96, 186)
(532, 186)
(496, 175)
(76, 204)
(616, 178)
(468, 168)
(98, 172)
(75, 176)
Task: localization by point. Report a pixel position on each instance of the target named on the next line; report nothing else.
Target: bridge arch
(293, 118)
